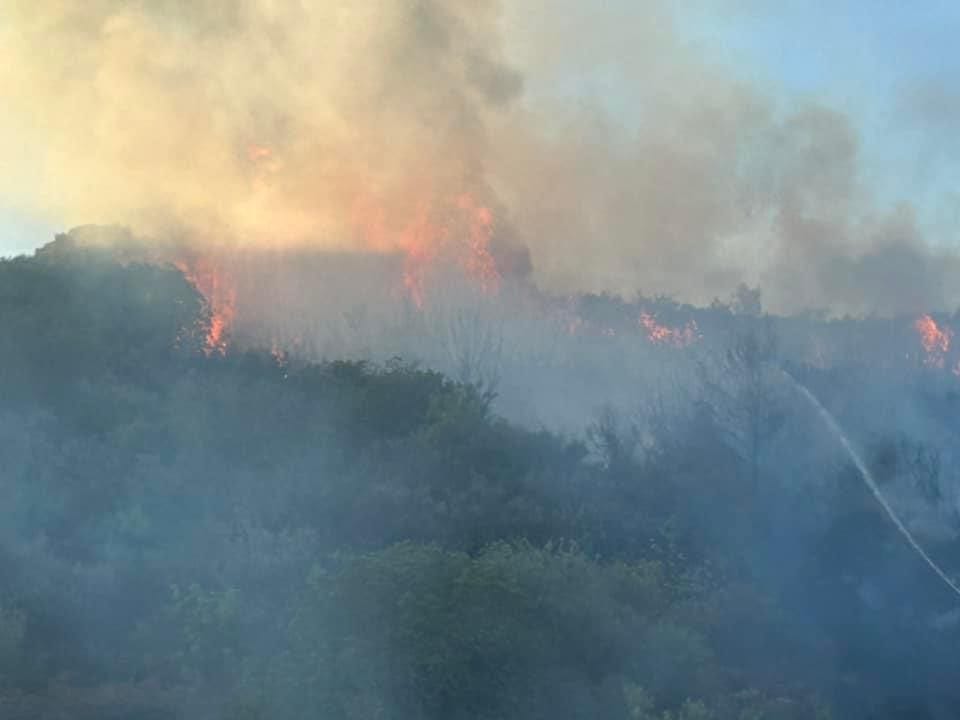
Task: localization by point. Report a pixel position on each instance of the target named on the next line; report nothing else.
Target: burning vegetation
(934, 340)
(662, 335)
(435, 238)
(418, 390)
(266, 298)
(217, 287)
(453, 242)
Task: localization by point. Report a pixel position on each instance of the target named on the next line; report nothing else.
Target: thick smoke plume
(253, 122)
(602, 142)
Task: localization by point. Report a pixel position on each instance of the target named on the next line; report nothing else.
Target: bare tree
(464, 334)
(742, 387)
(473, 341)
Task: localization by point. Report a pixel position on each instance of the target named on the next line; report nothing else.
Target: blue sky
(21, 233)
(858, 56)
(865, 58)
(845, 48)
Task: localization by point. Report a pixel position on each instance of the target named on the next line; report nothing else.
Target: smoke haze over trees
(243, 535)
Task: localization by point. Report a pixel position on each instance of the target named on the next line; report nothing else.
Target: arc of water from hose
(868, 479)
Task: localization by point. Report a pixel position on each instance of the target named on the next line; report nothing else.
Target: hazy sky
(20, 233)
(869, 58)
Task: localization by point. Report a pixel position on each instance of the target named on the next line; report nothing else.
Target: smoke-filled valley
(418, 360)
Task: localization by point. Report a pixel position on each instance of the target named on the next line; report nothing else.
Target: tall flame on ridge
(935, 341)
(432, 237)
(220, 293)
(434, 233)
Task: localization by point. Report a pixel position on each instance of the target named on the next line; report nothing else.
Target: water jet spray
(868, 478)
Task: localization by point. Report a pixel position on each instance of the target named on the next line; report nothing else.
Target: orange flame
(935, 341)
(663, 335)
(220, 294)
(479, 262)
(461, 234)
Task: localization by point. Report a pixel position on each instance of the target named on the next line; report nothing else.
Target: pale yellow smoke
(621, 156)
(261, 121)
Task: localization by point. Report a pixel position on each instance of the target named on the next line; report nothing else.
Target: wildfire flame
(214, 283)
(220, 294)
(935, 341)
(460, 232)
(664, 335)
(479, 262)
